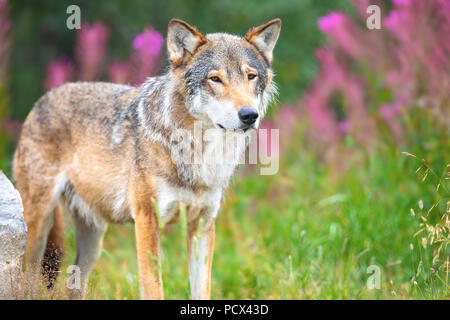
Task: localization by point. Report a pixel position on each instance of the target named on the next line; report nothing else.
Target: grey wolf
(104, 152)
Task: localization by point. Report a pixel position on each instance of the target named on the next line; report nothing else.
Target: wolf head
(228, 79)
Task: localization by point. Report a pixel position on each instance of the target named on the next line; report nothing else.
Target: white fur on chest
(169, 197)
(216, 161)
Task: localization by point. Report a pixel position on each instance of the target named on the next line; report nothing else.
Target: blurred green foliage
(40, 35)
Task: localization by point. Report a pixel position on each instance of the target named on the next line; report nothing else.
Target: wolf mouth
(245, 128)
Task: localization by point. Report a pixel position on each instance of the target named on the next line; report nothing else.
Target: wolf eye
(251, 76)
(215, 79)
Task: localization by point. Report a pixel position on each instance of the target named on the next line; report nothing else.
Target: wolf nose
(248, 115)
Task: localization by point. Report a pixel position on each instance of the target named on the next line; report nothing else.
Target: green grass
(306, 233)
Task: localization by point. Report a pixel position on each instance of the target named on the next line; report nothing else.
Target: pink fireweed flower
(150, 41)
(385, 111)
(331, 21)
(343, 31)
(146, 55)
(11, 127)
(389, 114)
(361, 6)
(324, 120)
(344, 126)
(288, 117)
(362, 126)
(331, 70)
(58, 72)
(120, 72)
(265, 140)
(401, 2)
(91, 49)
(409, 59)
(392, 20)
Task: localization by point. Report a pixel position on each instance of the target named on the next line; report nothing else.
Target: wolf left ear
(265, 37)
(182, 41)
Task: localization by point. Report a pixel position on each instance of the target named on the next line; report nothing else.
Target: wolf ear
(265, 37)
(182, 41)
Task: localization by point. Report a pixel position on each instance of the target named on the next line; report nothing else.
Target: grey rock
(13, 238)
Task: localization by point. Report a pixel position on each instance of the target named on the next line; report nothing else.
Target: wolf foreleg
(200, 241)
(148, 251)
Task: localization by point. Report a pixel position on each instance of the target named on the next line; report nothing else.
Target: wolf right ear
(182, 41)
(265, 37)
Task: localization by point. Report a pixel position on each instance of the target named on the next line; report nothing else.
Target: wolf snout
(248, 115)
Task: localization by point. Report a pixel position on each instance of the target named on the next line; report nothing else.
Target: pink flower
(361, 6)
(343, 31)
(146, 55)
(91, 50)
(331, 21)
(389, 114)
(58, 72)
(120, 72)
(288, 117)
(11, 127)
(344, 126)
(267, 145)
(323, 118)
(330, 67)
(385, 111)
(401, 2)
(392, 20)
(150, 41)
